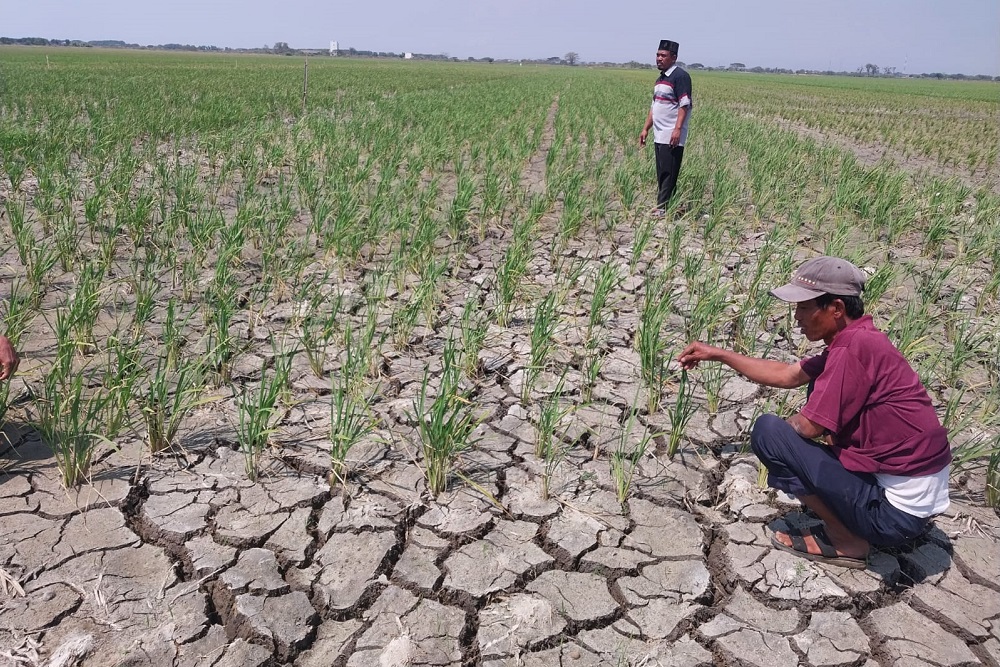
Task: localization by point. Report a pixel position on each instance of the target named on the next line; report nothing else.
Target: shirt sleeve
(813, 366)
(682, 89)
(839, 392)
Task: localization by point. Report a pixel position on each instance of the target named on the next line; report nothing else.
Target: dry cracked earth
(183, 561)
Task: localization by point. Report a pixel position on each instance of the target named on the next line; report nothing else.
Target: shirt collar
(863, 322)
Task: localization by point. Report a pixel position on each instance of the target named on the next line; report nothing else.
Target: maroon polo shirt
(867, 395)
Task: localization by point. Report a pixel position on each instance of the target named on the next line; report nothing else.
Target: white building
(334, 47)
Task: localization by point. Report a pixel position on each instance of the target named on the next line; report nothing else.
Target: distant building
(408, 55)
(334, 48)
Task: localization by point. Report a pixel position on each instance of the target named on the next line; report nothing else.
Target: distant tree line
(571, 58)
(869, 69)
(109, 44)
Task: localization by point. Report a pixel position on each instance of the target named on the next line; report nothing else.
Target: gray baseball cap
(822, 275)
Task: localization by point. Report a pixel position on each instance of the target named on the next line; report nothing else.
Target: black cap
(667, 45)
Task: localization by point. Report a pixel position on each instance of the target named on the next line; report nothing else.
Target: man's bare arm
(762, 371)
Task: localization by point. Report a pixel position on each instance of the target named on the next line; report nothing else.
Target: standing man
(668, 117)
(867, 453)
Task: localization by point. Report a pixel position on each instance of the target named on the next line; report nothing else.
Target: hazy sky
(912, 35)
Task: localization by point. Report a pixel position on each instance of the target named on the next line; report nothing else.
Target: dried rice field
(384, 374)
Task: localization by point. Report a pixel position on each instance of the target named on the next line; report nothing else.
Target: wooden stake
(305, 86)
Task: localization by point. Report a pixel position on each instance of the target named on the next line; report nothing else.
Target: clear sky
(912, 35)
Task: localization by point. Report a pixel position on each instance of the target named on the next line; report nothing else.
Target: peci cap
(822, 275)
(667, 45)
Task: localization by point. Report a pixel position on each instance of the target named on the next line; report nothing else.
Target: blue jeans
(802, 467)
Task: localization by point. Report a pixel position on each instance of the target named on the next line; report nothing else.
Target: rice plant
(549, 447)
(70, 417)
(84, 306)
(643, 235)
(17, 313)
(606, 280)
(629, 451)
(909, 328)
(256, 412)
(445, 422)
(573, 207)
(654, 354)
(363, 347)
(66, 236)
(66, 344)
(4, 405)
(422, 302)
(220, 308)
(708, 308)
(350, 422)
(992, 492)
(968, 338)
(878, 285)
(170, 392)
(593, 362)
(475, 326)
(22, 233)
(171, 336)
(544, 325)
(626, 186)
(511, 271)
(680, 414)
(145, 286)
(713, 377)
(461, 205)
(318, 326)
(38, 270)
(123, 372)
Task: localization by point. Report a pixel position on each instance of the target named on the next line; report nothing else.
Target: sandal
(827, 553)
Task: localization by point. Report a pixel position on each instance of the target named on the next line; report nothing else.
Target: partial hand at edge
(8, 359)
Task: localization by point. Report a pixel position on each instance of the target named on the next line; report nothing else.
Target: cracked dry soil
(181, 561)
(198, 566)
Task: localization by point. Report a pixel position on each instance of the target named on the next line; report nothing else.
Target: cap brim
(794, 293)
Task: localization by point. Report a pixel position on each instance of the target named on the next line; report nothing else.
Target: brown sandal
(827, 553)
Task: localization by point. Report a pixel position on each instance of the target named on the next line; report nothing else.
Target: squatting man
(867, 453)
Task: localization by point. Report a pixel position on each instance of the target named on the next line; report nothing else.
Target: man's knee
(764, 436)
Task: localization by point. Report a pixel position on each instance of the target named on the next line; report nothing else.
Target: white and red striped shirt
(671, 92)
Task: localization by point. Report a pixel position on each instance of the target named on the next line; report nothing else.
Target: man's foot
(816, 546)
(657, 213)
